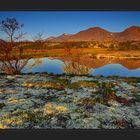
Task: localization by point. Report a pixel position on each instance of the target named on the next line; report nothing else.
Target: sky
(55, 23)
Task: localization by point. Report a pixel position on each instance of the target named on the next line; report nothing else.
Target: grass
(85, 51)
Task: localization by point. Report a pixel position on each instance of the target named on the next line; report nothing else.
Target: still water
(56, 66)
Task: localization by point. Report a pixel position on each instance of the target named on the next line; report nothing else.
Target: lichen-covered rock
(40, 101)
(88, 123)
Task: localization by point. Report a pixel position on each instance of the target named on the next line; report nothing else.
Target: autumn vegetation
(13, 56)
(15, 52)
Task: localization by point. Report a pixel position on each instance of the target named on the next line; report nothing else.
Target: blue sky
(58, 22)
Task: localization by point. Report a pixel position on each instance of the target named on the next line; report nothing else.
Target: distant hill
(98, 34)
(61, 38)
(130, 34)
(2, 41)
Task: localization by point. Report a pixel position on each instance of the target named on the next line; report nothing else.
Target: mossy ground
(36, 101)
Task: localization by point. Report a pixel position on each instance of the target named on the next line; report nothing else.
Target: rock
(99, 108)
(92, 90)
(114, 103)
(138, 84)
(82, 78)
(127, 86)
(109, 126)
(11, 77)
(69, 91)
(88, 123)
(74, 116)
(1, 91)
(61, 121)
(136, 122)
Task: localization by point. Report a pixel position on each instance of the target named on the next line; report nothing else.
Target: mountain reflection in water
(105, 67)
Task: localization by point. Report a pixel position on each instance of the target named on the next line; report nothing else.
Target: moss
(136, 97)
(82, 103)
(104, 93)
(122, 123)
(86, 84)
(74, 85)
(86, 102)
(49, 85)
(34, 118)
(64, 82)
(132, 80)
(86, 115)
(106, 85)
(52, 98)
(53, 109)
(2, 105)
(101, 123)
(79, 110)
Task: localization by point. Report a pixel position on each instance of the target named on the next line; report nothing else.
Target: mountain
(61, 38)
(98, 63)
(95, 33)
(1, 40)
(131, 33)
(98, 34)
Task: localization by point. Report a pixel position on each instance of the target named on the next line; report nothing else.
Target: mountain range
(98, 34)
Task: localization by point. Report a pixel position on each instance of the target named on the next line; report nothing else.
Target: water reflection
(34, 63)
(116, 70)
(94, 67)
(75, 68)
(73, 64)
(47, 65)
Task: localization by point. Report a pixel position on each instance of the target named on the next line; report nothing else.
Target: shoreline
(69, 75)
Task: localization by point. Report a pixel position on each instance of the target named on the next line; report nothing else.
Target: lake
(127, 68)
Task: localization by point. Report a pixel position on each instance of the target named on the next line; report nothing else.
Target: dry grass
(87, 52)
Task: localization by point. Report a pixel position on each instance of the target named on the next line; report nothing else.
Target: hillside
(98, 34)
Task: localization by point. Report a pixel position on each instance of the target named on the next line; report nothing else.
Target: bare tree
(12, 59)
(38, 43)
(10, 26)
(38, 37)
(39, 40)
